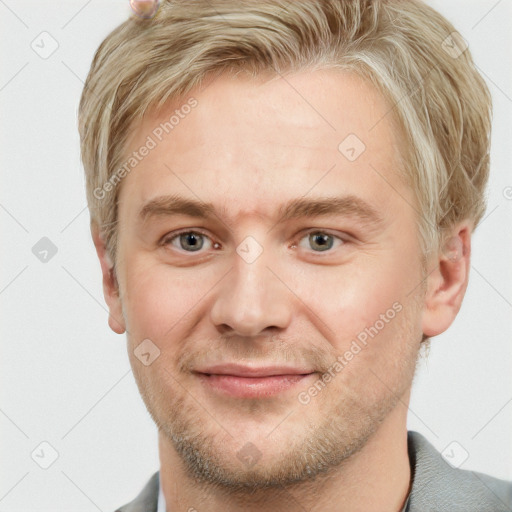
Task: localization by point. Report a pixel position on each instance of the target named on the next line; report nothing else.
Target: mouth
(252, 382)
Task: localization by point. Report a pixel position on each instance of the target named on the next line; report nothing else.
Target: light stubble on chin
(208, 451)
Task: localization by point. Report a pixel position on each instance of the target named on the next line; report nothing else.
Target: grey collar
(436, 486)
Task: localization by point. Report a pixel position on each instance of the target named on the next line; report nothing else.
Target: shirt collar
(161, 498)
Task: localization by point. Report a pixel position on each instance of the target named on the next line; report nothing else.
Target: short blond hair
(411, 53)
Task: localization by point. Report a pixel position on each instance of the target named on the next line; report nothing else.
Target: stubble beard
(209, 458)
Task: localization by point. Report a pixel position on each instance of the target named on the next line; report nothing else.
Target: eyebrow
(348, 205)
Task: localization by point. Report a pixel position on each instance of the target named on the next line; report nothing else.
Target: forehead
(247, 143)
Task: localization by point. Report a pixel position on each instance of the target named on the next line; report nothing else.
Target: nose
(252, 299)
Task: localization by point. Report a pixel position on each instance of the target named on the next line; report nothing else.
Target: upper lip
(253, 371)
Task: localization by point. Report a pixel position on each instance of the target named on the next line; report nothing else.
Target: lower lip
(252, 387)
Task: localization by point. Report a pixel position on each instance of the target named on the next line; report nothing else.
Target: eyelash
(169, 238)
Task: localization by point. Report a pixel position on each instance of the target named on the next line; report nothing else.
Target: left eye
(189, 241)
(320, 241)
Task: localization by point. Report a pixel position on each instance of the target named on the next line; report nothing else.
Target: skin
(248, 147)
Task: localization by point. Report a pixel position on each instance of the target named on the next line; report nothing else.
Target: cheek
(158, 298)
(352, 297)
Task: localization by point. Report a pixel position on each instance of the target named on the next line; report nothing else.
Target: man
(282, 198)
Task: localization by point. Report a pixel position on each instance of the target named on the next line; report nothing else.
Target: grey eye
(188, 241)
(318, 241)
(191, 241)
(321, 241)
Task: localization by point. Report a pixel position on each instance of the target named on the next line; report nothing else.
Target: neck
(378, 477)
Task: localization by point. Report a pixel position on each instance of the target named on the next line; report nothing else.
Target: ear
(110, 284)
(447, 284)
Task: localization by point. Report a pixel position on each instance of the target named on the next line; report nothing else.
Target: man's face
(252, 307)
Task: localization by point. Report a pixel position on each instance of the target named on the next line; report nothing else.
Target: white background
(65, 377)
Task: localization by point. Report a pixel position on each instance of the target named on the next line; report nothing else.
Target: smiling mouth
(254, 386)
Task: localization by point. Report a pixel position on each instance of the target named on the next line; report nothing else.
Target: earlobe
(446, 285)
(110, 283)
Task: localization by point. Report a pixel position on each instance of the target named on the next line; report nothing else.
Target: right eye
(187, 241)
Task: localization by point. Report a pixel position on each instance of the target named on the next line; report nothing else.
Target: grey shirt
(436, 486)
